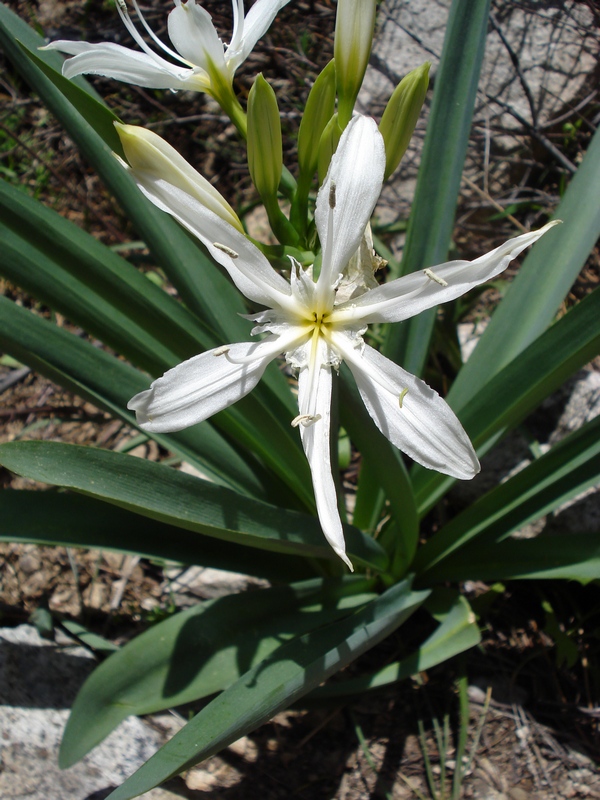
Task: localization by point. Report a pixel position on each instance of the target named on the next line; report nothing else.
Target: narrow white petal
(314, 399)
(192, 32)
(250, 271)
(256, 23)
(123, 64)
(418, 421)
(356, 172)
(411, 294)
(199, 387)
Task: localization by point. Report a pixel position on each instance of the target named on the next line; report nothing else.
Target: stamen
(305, 419)
(432, 276)
(332, 195)
(231, 253)
(403, 394)
(221, 351)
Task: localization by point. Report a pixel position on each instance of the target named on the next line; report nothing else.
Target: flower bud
(354, 26)
(328, 145)
(401, 114)
(320, 107)
(265, 153)
(152, 159)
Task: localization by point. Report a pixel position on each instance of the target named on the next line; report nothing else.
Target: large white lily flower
(202, 61)
(315, 333)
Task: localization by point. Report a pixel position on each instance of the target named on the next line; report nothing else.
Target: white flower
(202, 62)
(304, 322)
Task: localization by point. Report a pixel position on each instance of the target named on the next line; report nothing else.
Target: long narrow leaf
(438, 183)
(163, 493)
(543, 282)
(456, 633)
(570, 467)
(521, 386)
(199, 652)
(108, 383)
(568, 556)
(74, 520)
(288, 674)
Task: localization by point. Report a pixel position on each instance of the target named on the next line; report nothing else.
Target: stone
(38, 683)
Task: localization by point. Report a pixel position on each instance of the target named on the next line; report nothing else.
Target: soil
(535, 737)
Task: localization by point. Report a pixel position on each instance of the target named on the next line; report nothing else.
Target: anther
(403, 394)
(305, 419)
(432, 276)
(221, 351)
(231, 253)
(122, 5)
(332, 195)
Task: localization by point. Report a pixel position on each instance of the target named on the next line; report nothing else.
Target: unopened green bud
(401, 115)
(354, 26)
(328, 145)
(151, 158)
(319, 109)
(265, 154)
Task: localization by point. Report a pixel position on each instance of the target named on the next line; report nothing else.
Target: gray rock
(38, 682)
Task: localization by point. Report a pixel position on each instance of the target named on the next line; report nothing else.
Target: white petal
(418, 421)
(250, 271)
(357, 170)
(314, 398)
(199, 387)
(123, 64)
(411, 294)
(255, 25)
(192, 32)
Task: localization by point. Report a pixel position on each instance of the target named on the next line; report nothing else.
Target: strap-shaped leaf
(288, 674)
(199, 652)
(569, 468)
(173, 497)
(109, 383)
(438, 182)
(542, 283)
(74, 520)
(75, 274)
(566, 555)
(521, 386)
(456, 632)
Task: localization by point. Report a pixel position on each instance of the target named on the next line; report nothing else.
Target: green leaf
(542, 283)
(570, 467)
(456, 632)
(163, 493)
(93, 287)
(520, 387)
(73, 520)
(438, 183)
(109, 383)
(94, 642)
(289, 673)
(198, 652)
(566, 555)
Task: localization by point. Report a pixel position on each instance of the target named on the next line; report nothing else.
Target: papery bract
(306, 321)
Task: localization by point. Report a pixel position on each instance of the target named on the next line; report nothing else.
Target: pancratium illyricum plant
(307, 322)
